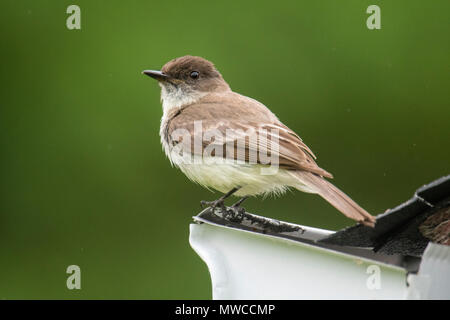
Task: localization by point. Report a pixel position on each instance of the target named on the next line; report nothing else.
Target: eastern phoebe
(223, 140)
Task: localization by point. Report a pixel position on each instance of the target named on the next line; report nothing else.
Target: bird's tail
(313, 183)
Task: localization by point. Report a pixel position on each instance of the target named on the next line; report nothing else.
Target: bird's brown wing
(245, 130)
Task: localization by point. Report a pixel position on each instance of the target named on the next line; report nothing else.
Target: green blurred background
(84, 180)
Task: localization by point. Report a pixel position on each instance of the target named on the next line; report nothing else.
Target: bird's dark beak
(158, 75)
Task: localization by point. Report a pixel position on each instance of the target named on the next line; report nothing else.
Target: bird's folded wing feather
(250, 132)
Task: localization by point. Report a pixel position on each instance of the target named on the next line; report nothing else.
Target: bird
(216, 137)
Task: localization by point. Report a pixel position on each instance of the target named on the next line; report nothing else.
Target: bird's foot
(219, 203)
(236, 212)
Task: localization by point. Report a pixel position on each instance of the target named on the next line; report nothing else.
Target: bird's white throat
(177, 96)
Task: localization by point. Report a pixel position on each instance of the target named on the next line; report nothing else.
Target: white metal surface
(433, 279)
(248, 265)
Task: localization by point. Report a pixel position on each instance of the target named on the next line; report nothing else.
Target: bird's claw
(213, 204)
(238, 210)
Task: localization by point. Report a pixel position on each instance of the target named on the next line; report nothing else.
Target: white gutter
(247, 264)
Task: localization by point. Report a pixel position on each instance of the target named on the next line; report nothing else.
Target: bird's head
(184, 79)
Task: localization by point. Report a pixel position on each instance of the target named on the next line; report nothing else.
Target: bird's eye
(194, 74)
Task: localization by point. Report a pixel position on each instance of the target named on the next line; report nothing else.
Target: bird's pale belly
(227, 174)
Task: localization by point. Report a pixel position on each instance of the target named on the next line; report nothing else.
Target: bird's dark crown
(182, 67)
